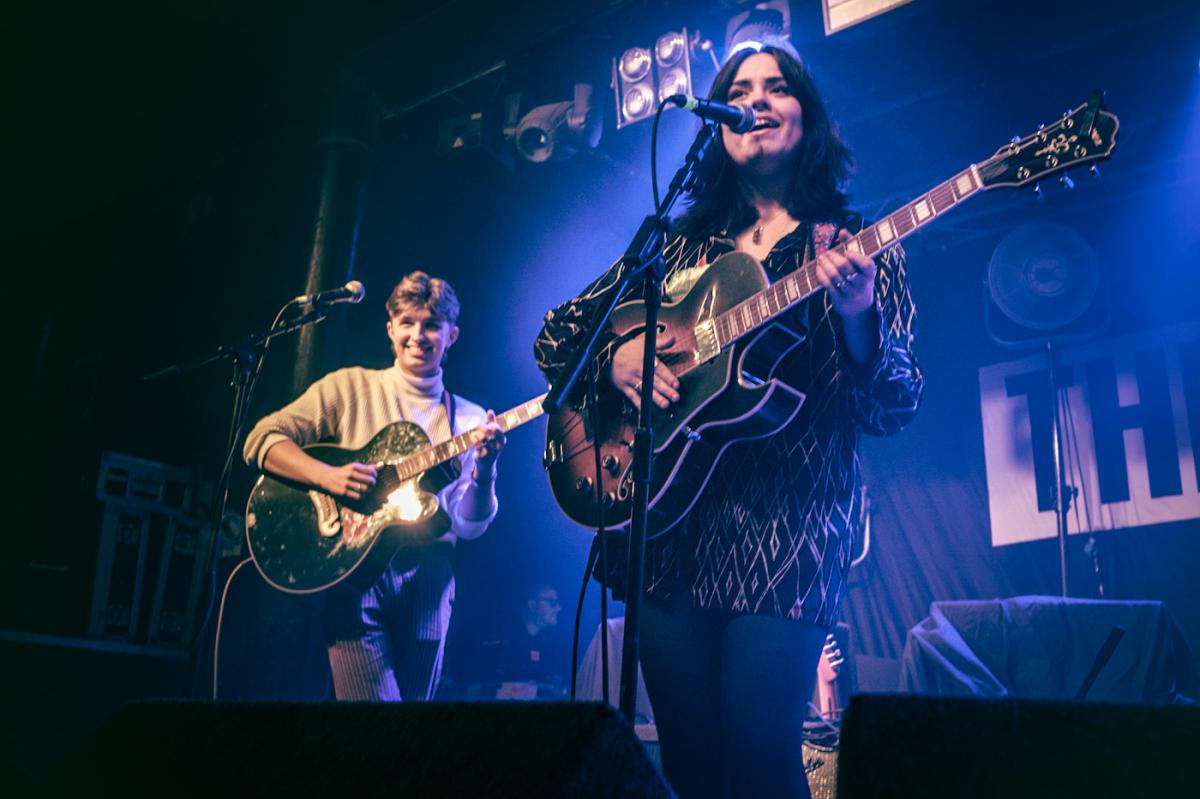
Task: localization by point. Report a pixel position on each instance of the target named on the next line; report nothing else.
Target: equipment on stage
(820, 746)
(304, 540)
(727, 348)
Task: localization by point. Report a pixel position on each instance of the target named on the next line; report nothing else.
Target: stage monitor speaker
(905, 745)
(1044, 284)
(363, 750)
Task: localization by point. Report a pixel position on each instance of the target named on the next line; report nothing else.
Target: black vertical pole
(344, 143)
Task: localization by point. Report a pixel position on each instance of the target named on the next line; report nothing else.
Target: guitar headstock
(1089, 133)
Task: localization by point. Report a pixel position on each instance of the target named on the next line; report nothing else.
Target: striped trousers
(386, 644)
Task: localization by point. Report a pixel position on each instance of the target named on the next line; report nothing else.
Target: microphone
(353, 291)
(739, 118)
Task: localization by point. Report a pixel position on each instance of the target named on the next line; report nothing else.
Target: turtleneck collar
(422, 386)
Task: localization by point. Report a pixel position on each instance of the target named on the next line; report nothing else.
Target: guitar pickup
(707, 346)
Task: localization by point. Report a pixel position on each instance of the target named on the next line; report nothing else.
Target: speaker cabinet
(363, 750)
(942, 747)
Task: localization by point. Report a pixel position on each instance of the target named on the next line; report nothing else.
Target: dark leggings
(730, 693)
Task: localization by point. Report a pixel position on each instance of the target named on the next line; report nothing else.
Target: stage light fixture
(634, 85)
(556, 130)
(670, 55)
(643, 75)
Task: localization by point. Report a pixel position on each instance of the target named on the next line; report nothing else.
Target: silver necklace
(756, 236)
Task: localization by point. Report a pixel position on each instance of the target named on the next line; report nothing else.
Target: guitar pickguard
(329, 522)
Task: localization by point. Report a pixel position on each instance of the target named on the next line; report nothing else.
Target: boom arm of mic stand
(643, 259)
(246, 354)
(644, 252)
(236, 349)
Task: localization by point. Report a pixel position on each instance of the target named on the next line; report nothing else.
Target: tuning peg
(1037, 192)
(1095, 170)
(1065, 181)
(1015, 140)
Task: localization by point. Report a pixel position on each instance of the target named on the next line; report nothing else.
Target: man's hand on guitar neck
(490, 442)
(626, 372)
(352, 481)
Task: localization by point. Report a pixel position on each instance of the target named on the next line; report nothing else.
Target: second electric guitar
(304, 540)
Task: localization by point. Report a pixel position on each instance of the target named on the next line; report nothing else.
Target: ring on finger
(638, 387)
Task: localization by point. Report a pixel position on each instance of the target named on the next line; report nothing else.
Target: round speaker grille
(1043, 275)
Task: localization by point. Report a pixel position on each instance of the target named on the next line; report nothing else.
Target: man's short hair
(419, 290)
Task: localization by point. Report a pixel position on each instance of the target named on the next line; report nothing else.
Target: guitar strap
(448, 402)
(822, 237)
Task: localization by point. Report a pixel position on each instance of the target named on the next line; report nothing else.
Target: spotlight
(642, 76)
(674, 69)
(634, 86)
(556, 130)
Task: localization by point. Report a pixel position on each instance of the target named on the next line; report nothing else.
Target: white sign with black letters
(1131, 407)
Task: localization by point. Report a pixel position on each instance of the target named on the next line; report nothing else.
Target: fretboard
(425, 459)
(789, 290)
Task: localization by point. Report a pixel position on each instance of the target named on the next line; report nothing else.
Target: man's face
(546, 607)
(420, 340)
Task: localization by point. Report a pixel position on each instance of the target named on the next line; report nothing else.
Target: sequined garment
(772, 532)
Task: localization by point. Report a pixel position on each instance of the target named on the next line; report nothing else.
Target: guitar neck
(436, 454)
(793, 288)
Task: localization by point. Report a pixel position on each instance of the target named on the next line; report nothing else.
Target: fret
(942, 198)
(871, 240)
(435, 454)
(793, 288)
(809, 278)
(963, 185)
(885, 231)
(922, 209)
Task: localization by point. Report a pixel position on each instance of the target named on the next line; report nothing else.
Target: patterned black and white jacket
(773, 531)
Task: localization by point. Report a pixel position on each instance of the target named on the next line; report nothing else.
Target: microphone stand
(1063, 493)
(247, 357)
(642, 260)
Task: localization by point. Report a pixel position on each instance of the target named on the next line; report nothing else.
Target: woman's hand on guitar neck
(849, 278)
(626, 372)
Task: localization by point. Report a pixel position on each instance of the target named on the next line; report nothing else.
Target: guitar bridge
(707, 346)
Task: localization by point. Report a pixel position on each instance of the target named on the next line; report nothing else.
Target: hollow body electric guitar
(727, 347)
(304, 540)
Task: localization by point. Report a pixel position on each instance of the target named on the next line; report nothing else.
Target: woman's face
(778, 129)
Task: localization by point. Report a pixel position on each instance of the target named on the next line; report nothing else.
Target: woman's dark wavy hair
(824, 164)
